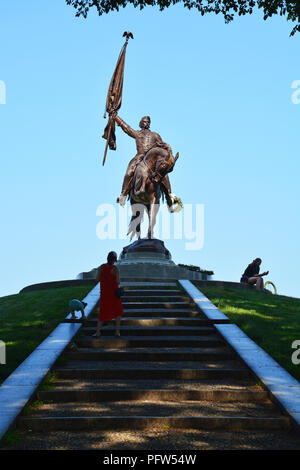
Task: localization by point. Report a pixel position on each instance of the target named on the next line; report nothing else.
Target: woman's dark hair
(112, 256)
(256, 259)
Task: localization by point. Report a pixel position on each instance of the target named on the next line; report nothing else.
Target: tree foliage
(228, 8)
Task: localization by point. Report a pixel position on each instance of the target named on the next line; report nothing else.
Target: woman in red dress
(110, 305)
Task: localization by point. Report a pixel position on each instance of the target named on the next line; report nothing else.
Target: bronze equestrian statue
(146, 178)
(145, 140)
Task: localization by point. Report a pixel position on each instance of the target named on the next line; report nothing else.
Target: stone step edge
(142, 374)
(158, 283)
(202, 302)
(94, 319)
(110, 395)
(182, 330)
(110, 342)
(126, 319)
(143, 422)
(163, 338)
(147, 356)
(284, 389)
(217, 350)
(162, 302)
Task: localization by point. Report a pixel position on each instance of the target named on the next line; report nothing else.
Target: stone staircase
(170, 368)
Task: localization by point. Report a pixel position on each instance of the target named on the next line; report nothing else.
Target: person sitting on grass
(251, 275)
(76, 305)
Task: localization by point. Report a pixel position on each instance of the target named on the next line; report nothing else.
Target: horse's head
(160, 160)
(166, 164)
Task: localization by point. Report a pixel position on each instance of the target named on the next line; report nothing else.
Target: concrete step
(148, 341)
(132, 371)
(153, 321)
(155, 292)
(128, 304)
(157, 321)
(89, 423)
(70, 395)
(160, 312)
(151, 354)
(135, 415)
(145, 298)
(157, 365)
(228, 384)
(162, 438)
(138, 330)
(149, 284)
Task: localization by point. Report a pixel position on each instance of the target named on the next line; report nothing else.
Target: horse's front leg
(153, 209)
(136, 219)
(138, 227)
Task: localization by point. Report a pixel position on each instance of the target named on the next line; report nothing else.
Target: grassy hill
(27, 319)
(272, 321)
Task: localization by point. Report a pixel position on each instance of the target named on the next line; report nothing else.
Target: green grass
(272, 321)
(29, 409)
(48, 382)
(11, 437)
(27, 319)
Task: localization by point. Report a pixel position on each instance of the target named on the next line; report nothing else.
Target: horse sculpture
(147, 189)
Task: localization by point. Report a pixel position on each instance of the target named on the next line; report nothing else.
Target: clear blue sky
(219, 94)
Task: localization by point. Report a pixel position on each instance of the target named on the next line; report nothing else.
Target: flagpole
(113, 103)
(106, 146)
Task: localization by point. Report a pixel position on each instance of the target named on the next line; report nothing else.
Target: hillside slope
(27, 319)
(272, 321)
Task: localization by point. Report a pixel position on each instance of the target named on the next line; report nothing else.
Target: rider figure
(145, 140)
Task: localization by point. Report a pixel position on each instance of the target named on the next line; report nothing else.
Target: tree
(228, 8)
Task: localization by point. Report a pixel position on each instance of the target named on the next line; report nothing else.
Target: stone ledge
(283, 387)
(56, 284)
(202, 302)
(222, 284)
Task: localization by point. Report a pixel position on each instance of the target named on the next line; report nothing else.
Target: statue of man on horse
(145, 140)
(146, 177)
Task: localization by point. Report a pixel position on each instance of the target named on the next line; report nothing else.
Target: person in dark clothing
(251, 275)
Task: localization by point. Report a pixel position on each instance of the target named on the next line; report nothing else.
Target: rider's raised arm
(126, 128)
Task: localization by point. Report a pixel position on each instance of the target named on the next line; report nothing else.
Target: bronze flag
(114, 98)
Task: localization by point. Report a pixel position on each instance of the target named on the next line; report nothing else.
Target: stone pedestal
(149, 259)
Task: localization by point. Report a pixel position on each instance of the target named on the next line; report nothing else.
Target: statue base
(149, 260)
(146, 245)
